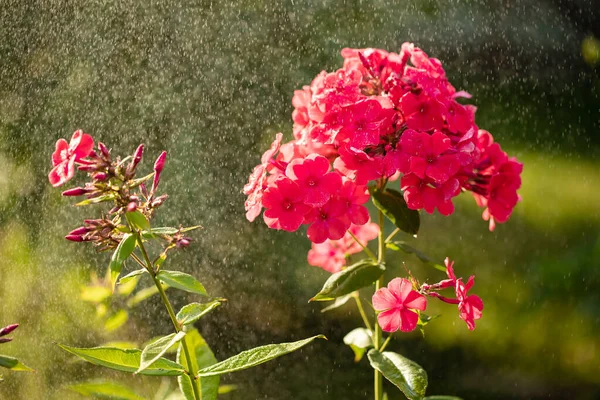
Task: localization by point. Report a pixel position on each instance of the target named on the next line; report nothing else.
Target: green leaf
(194, 311)
(442, 398)
(116, 320)
(122, 253)
(224, 389)
(407, 375)
(95, 294)
(356, 276)
(183, 281)
(137, 182)
(202, 357)
(142, 295)
(132, 275)
(105, 390)
(14, 364)
(126, 360)
(340, 301)
(254, 357)
(96, 200)
(155, 350)
(138, 220)
(392, 204)
(400, 245)
(166, 230)
(359, 340)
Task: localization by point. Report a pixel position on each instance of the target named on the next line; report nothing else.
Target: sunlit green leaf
(96, 200)
(126, 360)
(356, 276)
(359, 340)
(194, 311)
(155, 350)
(95, 294)
(105, 390)
(224, 389)
(340, 301)
(202, 357)
(142, 295)
(183, 281)
(392, 204)
(132, 275)
(138, 220)
(137, 182)
(254, 357)
(116, 320)
(122, 253)
(120, 344)
(13, 364)
(405, 247)
(407, 375)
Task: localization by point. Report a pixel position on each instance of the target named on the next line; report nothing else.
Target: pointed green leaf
(95, 294)
(407, 375)
(116, 320)
(356, 276)
(340, 301)
(202, 357)
(95, 200)
(155, 350)
(183, 281)
(105, 390)
(138, 220)
(224, 389)
(194, 311)
(132, 275)
(122, 253)
(14, 364)
(126, 360)
(400, 245)
(137, 182)
(254, 357)
(392, 204)
(359, 340)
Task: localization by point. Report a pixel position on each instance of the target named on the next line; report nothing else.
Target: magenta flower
(396, 304)
(356, 164)
(419, 194)
(329, 255)
(470, 307)
(327, 222)
(421, 112)
(352, 197)
(427, 158)
(66, 155)
(284, 205)
(363, 123)
(313, 176)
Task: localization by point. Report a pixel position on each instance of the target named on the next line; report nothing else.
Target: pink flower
(352, 197)
(284, 205)
(327, 222)
(338, 89)
(421, 112)
(363, 123)
(67, 154)
(364, 233)
(469, 306)
(459, 118)
(256, 184)
(419, 194)
(426, 155)
(313, 176)
(396, 304)
(329, 255)
(358, 165)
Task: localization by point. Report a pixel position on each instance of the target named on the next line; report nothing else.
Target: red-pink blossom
(470, 306)
(66, 155)
(421, 112)
(352, 197)
(358, 165)
(363, 123)
(427, 158)
(396, 304)
(313, 176)
(285, 208)
(420, 194)
(327, 222)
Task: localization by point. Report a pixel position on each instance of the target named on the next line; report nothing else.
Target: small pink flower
(352, 197)
(66, 155)
(421, 112)
(284, 205)
(396, 304)
(328, 255)
(363, 123)
(427, 158)
(419, 194)
(469, 306)
(313, 176)
(355, 163)
(327, 222)
(364, 233)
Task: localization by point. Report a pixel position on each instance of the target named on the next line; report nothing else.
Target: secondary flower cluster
(398, 304)
(380, 116)
(111, 181)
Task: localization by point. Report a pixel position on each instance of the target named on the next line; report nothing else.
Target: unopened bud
(8, 329)
(100, 176)
(74, 238)
(144, 189)
(159, 164)
(183, 242)
(159, 200)
(88, 168)
(5, 340)
(78, 191)
(103, 149)
(82, 230)
(132, 206)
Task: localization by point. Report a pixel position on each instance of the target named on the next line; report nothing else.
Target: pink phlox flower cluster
(383, 115)
(396, 305)
(331, 255)
(470, 306)
(66, 155)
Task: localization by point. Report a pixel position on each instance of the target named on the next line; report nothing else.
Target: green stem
(389, 238)
(196, 385)
(378, 381)
(362, 311)
(384, 345)
(365, 248)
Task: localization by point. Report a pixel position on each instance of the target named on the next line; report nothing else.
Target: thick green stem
(362, 311)
(196, 385)
(378, 381)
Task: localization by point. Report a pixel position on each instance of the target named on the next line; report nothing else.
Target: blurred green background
(212, 82)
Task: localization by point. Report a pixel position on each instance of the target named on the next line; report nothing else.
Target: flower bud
(137, 157)
(8, 329)
(78, 191)
(82, 230)
(132, 206)
(5, 340)
(159, 200)
(100, 176)
(159, 164)
(74, 238)
(183, 242)
(103, 149)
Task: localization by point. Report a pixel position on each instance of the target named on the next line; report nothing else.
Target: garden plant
(391, 128)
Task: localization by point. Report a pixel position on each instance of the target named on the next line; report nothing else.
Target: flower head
(66, 155)
(396, 305)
